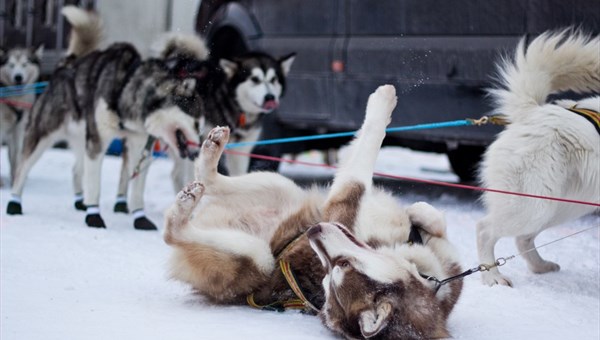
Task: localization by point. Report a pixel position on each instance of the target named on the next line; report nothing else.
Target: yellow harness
(301, 302)
(591, 115)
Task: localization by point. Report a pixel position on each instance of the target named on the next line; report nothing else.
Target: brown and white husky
(236, 240)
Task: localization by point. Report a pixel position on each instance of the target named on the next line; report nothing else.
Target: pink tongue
(270, 105)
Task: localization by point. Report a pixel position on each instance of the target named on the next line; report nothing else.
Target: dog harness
(591, 115)
(301, 303)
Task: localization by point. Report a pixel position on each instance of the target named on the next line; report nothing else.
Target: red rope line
(432, 182)
(16, 103)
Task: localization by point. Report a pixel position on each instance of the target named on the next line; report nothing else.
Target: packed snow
(63, 280)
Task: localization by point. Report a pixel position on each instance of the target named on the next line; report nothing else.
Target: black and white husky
(234, 239)
(18, 66)
(96, 96)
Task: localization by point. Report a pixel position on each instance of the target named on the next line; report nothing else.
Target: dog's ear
(372, 322)
(38, 52)
(2, 55)
(286, 62)
(229, 67)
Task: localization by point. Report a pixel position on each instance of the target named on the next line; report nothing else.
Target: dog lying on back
(548, 149)
(235, 237)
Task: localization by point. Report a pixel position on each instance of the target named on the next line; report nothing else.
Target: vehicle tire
(464, 161)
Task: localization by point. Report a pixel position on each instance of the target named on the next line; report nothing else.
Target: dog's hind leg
(486, 241)
(535, 263)
(355, 175)
(33, 149)
(226, 265)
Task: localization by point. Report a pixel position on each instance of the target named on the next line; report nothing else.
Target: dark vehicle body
(439, 54)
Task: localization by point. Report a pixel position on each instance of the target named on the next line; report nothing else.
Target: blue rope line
(19, 90)
(462, 122)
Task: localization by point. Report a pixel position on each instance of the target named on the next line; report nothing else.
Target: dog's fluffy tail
(86, 31)
(553, 62)
(177, 45)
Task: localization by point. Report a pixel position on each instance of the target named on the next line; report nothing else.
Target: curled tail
(178, 45)
(86, 30)
(554, 62)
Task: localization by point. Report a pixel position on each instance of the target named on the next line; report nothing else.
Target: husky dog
(18, 66)
(257, 82)
(96, 96)
(549, 149)
(354, 265)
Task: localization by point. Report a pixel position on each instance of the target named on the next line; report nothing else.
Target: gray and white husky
(96, 96)
(18, 66)
(235, 237)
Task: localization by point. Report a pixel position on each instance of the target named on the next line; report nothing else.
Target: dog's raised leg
(535, 263)
(179, 213)
(212, 149)
(486, 241)
(123, 188)
(355, 175)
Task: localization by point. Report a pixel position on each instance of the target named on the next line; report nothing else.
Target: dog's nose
(314, 231)
(18, 78)
(269, 97)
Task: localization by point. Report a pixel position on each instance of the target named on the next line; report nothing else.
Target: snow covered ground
(62, 280)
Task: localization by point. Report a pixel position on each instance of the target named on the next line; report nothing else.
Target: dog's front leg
(355, 175)
(238, 164)
(138, 167)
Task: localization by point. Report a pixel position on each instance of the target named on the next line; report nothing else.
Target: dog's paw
(190, 194)
(79, 205)
(428, 218)
(381, 104)
(217, 138)
(14, 208)
(121, 207)
(543, 267)
(94, 221)
(143, 223)
(492, 279)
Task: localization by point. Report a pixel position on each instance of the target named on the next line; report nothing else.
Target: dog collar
(591, 115)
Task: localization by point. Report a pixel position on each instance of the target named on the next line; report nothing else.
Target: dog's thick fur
(96, 96)
(18, 66)
(545, 150)
(229, 232)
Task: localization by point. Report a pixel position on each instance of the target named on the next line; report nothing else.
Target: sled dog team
(349, 252)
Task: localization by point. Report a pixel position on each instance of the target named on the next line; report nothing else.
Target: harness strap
(591, 115)
(286, 269)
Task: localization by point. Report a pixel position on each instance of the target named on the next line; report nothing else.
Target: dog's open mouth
(270, 105)
(186, 148)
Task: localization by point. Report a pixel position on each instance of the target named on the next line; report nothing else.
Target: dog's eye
(255, 79)
(342, 263)
(274, 80)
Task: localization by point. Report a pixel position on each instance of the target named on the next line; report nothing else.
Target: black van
(439, 54)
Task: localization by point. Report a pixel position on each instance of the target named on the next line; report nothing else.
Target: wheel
(464, 161)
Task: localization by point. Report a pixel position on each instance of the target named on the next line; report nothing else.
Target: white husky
(547, 149)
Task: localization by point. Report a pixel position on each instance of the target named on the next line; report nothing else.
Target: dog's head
(20, 66)
(258, 80)
(371, 293)
(171, 106)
